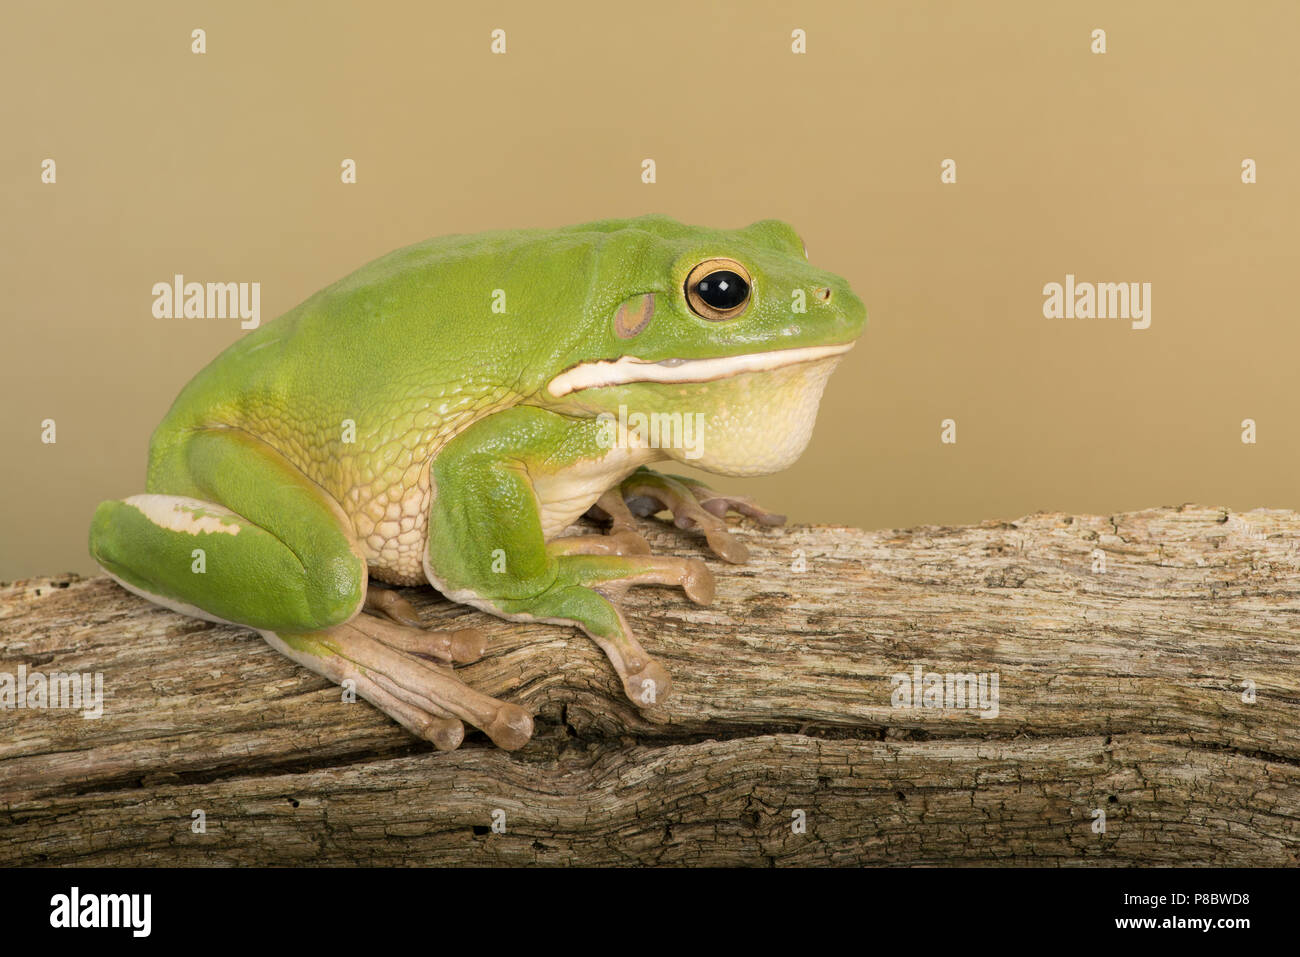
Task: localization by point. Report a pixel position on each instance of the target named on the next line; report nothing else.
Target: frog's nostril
(824, 293)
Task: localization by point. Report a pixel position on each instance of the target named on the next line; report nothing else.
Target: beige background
(1122, 167)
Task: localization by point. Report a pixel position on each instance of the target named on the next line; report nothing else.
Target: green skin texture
(257, 435)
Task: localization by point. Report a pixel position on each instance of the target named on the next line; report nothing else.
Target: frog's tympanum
(443, 414)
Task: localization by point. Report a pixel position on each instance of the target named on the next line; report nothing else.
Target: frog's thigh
(254, 541)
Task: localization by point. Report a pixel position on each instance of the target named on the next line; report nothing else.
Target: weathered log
(1160, 689)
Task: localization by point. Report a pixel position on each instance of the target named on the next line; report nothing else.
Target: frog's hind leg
(201, 558)
(254, 542)
(424, 697)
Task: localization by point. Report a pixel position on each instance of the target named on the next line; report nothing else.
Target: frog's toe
(445, 733)
(692, 504)
(726, 546)
(443, 730)
(621, 542)
(719, 504)
(612, 508)
(628, 542)
(392, 605)
(467, 645)
(463, 646)
(689, 574)
(406, 633)
(511, 728)
(649, 685)
(697, 582)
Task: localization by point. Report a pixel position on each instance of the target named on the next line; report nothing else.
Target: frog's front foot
(692, 504)
(388, 664)
(600, 568)
(592, 579)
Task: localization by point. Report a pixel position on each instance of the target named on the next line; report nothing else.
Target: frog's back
(410, 340)
(394, 333)
(362, 383)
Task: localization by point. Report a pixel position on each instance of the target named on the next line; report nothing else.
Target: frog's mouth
(628, 369)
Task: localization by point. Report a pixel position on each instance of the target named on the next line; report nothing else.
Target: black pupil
(723, 289)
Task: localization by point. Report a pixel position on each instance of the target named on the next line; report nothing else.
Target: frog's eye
(718, 289)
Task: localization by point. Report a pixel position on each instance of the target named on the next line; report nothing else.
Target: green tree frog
(444, 413)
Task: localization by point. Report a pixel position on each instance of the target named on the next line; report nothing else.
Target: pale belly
(391, 524)
(564, 496)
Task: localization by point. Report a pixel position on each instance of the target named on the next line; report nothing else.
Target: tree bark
(1148, 712)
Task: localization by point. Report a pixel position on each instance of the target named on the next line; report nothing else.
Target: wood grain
(1123, 690)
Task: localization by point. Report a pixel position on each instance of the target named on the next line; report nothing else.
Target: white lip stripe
(597, 375)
